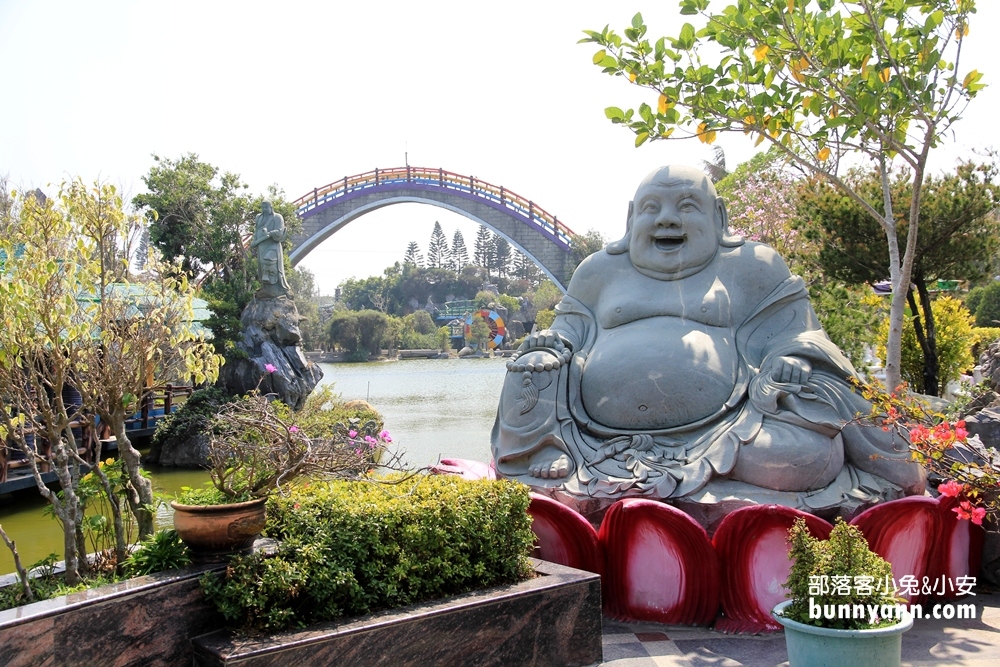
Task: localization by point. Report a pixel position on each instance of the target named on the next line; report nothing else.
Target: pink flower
(960, 432)
(352, 434)
(978, 514)
(385, 436)
(270, 368)
(357, 452)
(951, 488)
(962, 512)
(293, 429)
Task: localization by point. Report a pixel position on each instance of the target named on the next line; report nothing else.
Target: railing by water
(439, 178)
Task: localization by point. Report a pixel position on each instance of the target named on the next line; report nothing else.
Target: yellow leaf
(760, 140)
(705, 135)
(760, 52)
(833, 111)
(823, 154)
(631, 77)
(661, 104)
(667, 132)
(883, 76)
(864, 65)
(791, 6)
(599, 56)
(969, 78)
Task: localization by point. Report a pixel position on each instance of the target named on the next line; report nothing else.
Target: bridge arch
(526, 226)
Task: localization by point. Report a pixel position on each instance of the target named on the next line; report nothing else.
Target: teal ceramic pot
(810, 646)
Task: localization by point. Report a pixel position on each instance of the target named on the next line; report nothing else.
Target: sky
(300, 94)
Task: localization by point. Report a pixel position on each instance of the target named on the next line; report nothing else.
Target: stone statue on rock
(686, 364)
(271, 337)
(267, 239)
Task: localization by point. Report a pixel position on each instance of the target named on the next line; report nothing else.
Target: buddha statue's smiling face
(677, 222)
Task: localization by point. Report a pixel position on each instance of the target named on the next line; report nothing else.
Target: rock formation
(271, 340)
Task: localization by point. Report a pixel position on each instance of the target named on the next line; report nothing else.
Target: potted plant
(843, 609)
(254, 447)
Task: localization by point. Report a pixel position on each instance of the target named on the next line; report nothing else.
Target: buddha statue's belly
(658, 372)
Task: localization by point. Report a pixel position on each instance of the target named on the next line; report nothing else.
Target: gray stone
(268, 235)
(270, 338)
(985, 424)
(190, 454)
(683, 355)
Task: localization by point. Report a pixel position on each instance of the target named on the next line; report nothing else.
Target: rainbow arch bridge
(528, 227)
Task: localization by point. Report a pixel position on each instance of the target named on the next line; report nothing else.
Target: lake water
(433, 408)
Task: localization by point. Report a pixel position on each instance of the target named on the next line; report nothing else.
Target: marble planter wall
(144, 621)
(553, 619)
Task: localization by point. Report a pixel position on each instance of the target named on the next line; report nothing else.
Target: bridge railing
(438, 178)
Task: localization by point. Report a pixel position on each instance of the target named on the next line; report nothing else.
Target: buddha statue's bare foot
(547, 466)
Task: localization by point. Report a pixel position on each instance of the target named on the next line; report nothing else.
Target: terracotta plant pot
(214, 533)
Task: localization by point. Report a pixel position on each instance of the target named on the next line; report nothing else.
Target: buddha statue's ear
(620, 246)
(727, 240)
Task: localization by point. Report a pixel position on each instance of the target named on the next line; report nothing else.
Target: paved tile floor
(966, 643)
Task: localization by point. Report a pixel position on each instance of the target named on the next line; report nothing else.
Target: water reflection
(433, 408)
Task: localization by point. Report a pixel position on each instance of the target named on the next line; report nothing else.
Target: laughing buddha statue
(687, 363)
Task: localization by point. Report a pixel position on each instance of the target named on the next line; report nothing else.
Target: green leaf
(599, 56)
(614, 113)
(641, 138)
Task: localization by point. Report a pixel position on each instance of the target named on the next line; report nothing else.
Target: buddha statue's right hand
(546, 338)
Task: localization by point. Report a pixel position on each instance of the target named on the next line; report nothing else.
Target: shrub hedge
(350, 548)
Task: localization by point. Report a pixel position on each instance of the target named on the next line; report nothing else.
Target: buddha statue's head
(676, 224)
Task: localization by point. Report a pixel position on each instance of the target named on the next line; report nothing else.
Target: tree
(413, 256)
(716, 166)
(303, 284)
(74, 319)
(483, 249)
(585, 245)
(956, 232)
(479, 331)
(525, 269)
(437, 249)
(459, 255)
(202, 220)
(819, 80)
(761, 197)
(501, 255)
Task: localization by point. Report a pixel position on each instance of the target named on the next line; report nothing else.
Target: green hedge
(350, 548)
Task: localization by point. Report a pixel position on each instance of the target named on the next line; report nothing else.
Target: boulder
(271, 338)
(985, 424)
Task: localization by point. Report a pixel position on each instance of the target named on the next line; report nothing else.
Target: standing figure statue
(267, 238)
(686, 363)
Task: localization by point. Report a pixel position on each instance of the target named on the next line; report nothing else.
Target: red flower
(978, 514)
(951, 488)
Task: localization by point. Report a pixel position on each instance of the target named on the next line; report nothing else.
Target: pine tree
(413, 255)
(483, 248)
(501, 255)
(459, 254)
(437, 249)
(524, 268)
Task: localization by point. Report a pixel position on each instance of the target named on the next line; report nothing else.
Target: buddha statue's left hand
(791, 370)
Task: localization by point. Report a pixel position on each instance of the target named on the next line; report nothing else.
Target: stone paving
(965, 643)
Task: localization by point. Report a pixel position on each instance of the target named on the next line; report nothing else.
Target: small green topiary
(828, 573)
(350, 548)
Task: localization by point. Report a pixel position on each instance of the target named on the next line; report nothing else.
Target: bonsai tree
(257, 445)
(827, 574)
